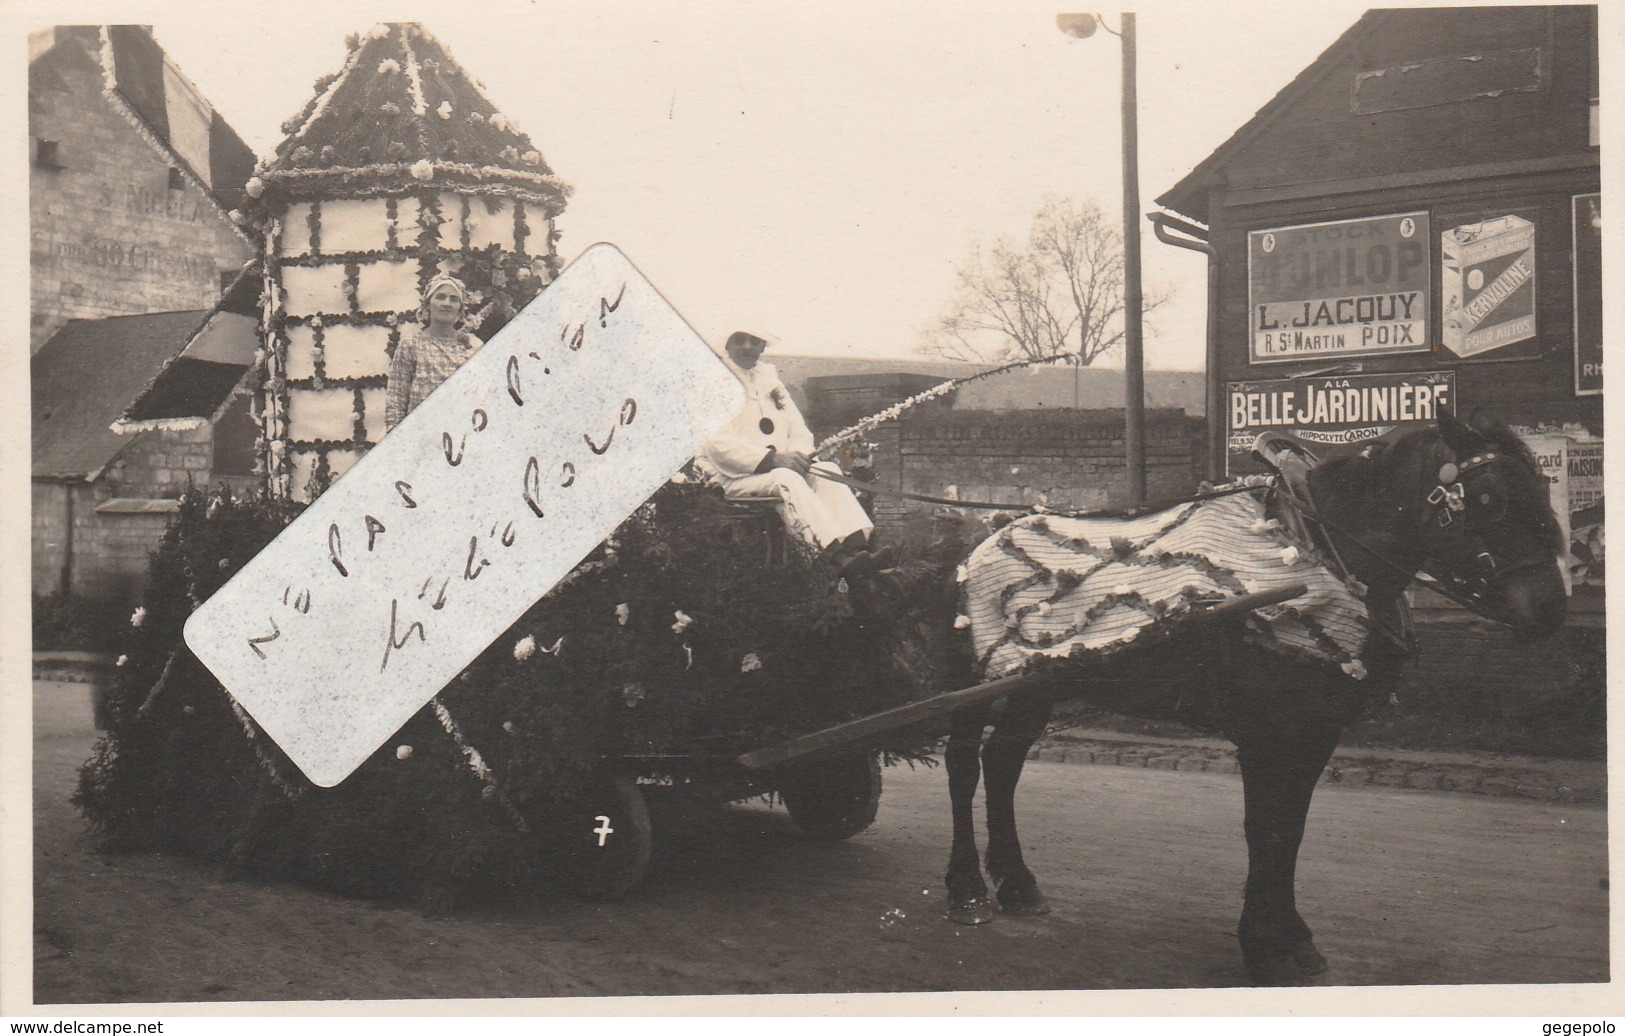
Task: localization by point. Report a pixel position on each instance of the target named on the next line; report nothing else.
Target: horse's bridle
(1448, 504)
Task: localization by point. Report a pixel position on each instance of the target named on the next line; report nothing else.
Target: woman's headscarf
(436, 282)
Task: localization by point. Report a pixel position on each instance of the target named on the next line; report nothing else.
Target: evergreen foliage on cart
(677, 637)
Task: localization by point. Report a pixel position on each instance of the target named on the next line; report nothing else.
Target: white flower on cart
(961, 574)
(684, 621)
(1355, 668)
(1289, 556)
(623, 612)
(507, 725)
(750, 663)
(138, 617)
(403, 752)
(961, 622)
(123, 660)
(525, 648)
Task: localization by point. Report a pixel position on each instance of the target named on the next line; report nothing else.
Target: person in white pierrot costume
(766, 450)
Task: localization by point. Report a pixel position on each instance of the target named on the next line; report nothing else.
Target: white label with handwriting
(476, 505)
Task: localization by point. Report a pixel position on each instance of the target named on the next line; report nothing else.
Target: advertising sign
(1587, 535)
(1585, 474)
(1552, 455)
(1587, 294)
(1488, 284)
(1353, 287)
(1330, 415)
(469, 511)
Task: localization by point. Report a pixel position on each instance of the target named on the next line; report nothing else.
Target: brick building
(130, 179)
(1420, 208)
(116, 225)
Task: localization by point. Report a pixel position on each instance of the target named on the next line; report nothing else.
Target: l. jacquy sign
(482, 499)
(1354, 287)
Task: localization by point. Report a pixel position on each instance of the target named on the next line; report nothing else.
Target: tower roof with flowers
(401, 114)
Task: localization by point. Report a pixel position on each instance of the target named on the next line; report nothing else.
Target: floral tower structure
(397, 169)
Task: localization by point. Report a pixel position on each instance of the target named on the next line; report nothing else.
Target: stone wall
(118, 520)
(110, 233)
(111, 540)
(158, 465)
(1059, 458)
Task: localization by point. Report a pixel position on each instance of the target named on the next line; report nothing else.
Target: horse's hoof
(976, 910)
(1288, 966)
(1308, 959)
(1028, 902)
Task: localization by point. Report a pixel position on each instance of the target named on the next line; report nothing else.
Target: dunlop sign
(1332, 415)
(1354, 287)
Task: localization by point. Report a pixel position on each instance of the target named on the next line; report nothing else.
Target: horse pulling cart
(829, 780)
(1274, 611)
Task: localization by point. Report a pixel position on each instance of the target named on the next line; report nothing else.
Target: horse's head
(1490, 529)
(1466, 502)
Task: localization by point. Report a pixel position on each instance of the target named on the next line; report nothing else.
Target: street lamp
(1082, 26)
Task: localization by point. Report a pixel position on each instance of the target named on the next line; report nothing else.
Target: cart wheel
(835, 799)
(602, 839)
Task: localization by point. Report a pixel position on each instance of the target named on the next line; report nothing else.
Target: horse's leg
(1002, 759)
(967, 892)
(1278, 777)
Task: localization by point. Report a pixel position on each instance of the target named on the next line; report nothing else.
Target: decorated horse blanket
(1047, 588)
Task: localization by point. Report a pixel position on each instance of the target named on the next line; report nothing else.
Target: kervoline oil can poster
(1488, 285)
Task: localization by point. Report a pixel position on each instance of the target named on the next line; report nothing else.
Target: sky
(810, 171)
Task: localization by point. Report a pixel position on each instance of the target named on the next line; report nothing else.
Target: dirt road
(1144, 867)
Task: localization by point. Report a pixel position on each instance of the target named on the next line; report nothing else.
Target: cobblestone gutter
(1552, 780)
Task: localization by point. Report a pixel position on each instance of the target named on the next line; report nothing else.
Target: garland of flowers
(289, 791)
(276, 388)
(414, 89)
(477, 764)
(392, 213)
(539, 186)
(325, 88)
(857, 431)
(499, 281)
(313, 223)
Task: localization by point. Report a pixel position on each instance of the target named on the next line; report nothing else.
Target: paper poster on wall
(1352, 287)
(1488, 285)
(1552, 456)
(1333, 415)
(1587, 294)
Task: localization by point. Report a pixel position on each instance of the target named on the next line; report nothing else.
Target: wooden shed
(1424, 199)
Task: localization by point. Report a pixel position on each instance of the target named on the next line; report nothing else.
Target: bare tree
(1058, 297)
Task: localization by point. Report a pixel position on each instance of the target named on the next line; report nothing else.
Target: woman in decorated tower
(429, 354)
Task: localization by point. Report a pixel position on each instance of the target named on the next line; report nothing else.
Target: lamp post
(1082, 26)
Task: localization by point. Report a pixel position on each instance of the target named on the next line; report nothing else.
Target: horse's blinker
(1448, 495)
